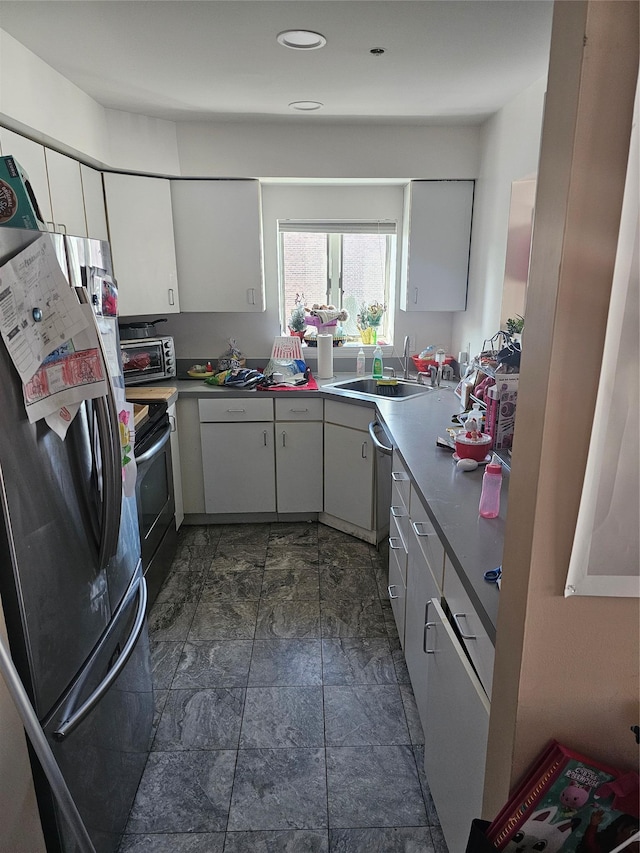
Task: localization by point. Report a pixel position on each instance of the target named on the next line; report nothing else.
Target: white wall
(510, 143)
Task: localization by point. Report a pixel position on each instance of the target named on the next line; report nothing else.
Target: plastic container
(360, 363)
(491, 485)
(377, 370)
(473, 448)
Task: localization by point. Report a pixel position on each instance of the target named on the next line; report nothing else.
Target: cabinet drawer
(430, 544)
(398, 549)
(348, 414)
(298, 410)
(238, 409)
(474, 637)
(400, 480)
(397, 589)
(399, 520)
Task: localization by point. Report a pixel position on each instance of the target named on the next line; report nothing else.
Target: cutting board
(150, 393)
(140, 413)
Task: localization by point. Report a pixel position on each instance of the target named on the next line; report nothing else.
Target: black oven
(154, 495)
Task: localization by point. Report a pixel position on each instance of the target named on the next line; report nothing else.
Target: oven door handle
(155, 448)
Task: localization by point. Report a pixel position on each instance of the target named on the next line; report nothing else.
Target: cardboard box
(18, 204)
(507, 388)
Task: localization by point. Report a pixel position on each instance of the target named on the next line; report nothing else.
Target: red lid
(494, 468)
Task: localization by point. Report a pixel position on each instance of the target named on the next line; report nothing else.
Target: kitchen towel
(325, 356)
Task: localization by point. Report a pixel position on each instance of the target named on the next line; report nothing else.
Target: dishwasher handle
(383, 448)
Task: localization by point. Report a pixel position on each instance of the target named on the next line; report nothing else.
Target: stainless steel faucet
(405, 358)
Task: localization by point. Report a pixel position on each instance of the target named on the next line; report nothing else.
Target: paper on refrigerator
(39, 312)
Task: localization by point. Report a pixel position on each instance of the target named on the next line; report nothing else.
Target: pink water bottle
(491, 485)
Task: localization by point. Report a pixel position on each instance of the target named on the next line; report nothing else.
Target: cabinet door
(190, 455)
(94, 209)
(239, 467)
(299, 466)
(31, 157)
(397, 590)
(436, 243)
(348, 475)
(65, 190)
(175, 461)
(421, 590)
(142, 246)
(218, 237)
(456, 732)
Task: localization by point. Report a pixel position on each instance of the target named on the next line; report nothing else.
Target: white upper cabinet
(31, 157)
(65, 190)
(435, 245)
(218, 238)
(142, 246)
(94, 209)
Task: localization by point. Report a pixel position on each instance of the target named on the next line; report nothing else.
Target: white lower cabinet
(456, 733)
(239, 467)
(348, 475)
(299, 466)
(398, 584)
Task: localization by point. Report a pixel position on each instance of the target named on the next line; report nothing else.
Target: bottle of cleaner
(491, 485)
(360, 363)
(377, 371)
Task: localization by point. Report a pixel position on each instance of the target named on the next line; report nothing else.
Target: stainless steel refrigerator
(71, 583)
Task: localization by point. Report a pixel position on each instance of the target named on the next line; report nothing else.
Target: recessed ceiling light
(301, 39)
(305, 106)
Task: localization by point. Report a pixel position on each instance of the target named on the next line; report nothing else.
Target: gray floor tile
(278, 841)
(357, 660)
(181, 587)
(344, 582)
(200, 719)
(292, 557)
(293, 533)
(165, 655)
(373, 786)
(290, 585)
(184, 792)
(175, 842)
(171, 620)
(250, 534)
(286, 663)
(349, 554)
(389, 619)
(279, 789)
(352, 619)
(288, 619)
(364, 715)
(403, 839)
(224, 620)
(238, 558)
(282, 717)
(159, 701)
(439, 844)
(432, 814)
(213, 663)
(399, 663)
(411, 711)
(195, 540)
(231, 584)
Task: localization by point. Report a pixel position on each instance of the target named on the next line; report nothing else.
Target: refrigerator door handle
(75, 717)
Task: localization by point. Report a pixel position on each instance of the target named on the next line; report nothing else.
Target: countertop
(473, 544)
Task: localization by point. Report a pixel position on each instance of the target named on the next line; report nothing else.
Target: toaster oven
(147, 360)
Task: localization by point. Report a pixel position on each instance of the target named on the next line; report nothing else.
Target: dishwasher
(383, 445)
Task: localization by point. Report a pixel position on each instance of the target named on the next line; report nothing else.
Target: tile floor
(285, 719)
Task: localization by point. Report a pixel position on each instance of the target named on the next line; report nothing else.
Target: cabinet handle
(171, 296)
(393, 547)
(236, 411)
(456, 619)
(284, 438)
(415, 527)
(427, 625)
(264, 435)
(399, 476)
(415, 295)
(299, 411)
(364, 449)
(251, 295)
(52, 224)
(398, 511)
(62, 227)
(172, 421)
(391, 595)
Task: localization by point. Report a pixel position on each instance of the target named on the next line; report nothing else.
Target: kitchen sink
(368, 387)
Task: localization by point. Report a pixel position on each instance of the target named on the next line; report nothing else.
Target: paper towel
(325, 356)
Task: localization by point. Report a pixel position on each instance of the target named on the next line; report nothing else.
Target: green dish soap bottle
(377, 363)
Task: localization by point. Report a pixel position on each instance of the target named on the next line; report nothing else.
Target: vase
(369, 335)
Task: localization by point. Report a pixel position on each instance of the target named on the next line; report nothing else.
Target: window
(346, 264)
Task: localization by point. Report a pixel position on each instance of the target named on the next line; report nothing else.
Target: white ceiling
(198, 60)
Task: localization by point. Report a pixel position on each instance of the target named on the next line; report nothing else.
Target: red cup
(468, 448)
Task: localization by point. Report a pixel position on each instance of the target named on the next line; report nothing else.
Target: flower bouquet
(368, 321)
(297, 322)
